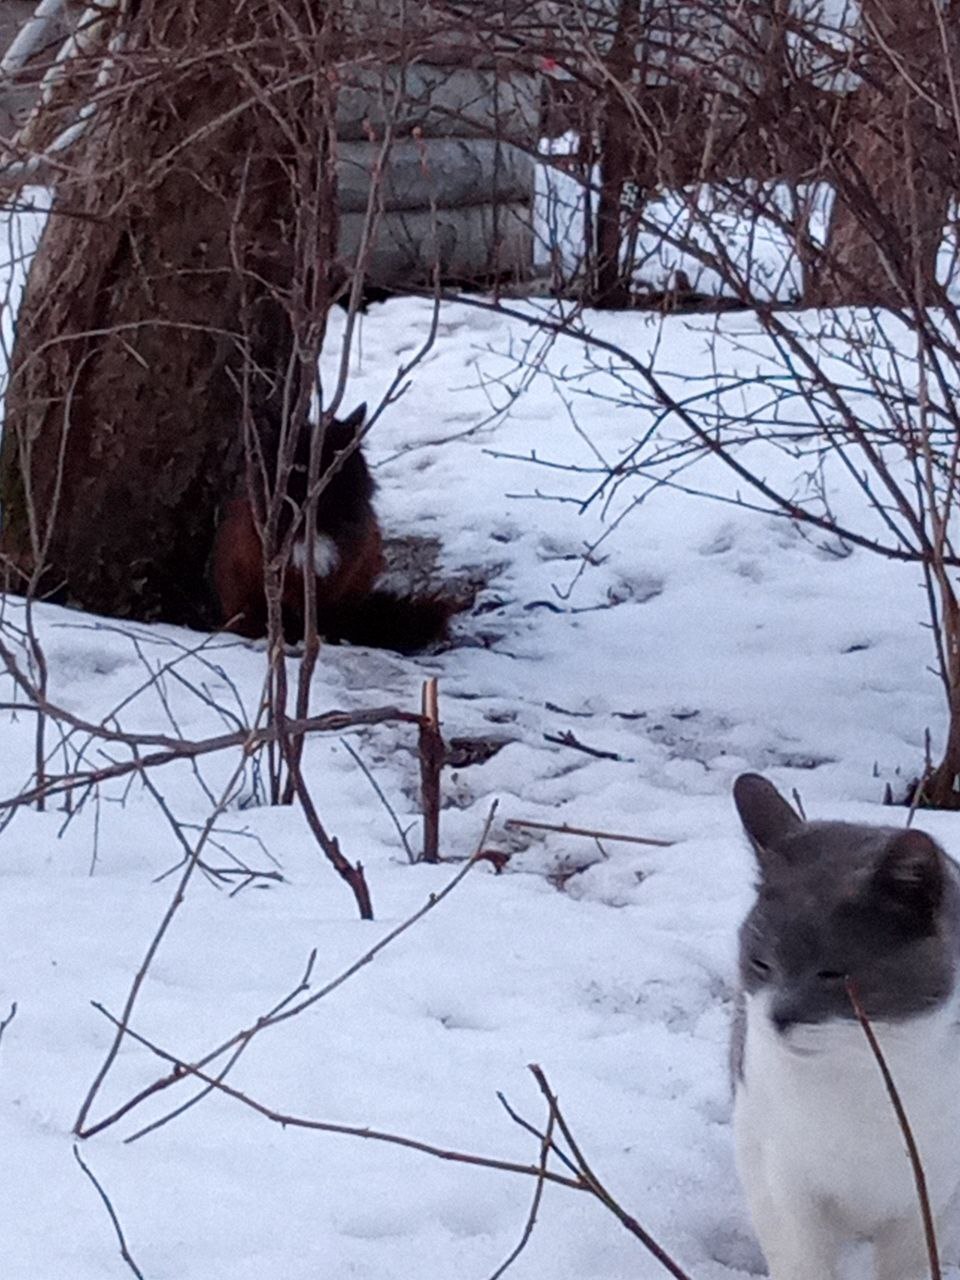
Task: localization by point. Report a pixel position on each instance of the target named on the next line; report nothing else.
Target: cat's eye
(759, 967)
(830, 975)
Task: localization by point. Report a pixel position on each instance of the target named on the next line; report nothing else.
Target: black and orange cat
(346, 559)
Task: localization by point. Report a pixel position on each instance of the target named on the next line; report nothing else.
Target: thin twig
(593, 1184)
(285, 1010)
(176, 901)
(569, 739)
(585, 1180)
(299, 990)
(184, 1069)
(8, 1019)
(524, 824)
(184, 749)
(919, 1177)
(362, 765)
(351, 873)
(546, 1143)
(121, 1239)
(518, 1119)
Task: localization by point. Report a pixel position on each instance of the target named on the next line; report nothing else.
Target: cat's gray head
(836, 900)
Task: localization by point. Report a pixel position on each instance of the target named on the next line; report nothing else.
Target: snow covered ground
(720, 238)
(705, 641)
(690, 231)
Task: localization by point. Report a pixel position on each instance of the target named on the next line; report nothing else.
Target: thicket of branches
(193, 254)
(769, 156)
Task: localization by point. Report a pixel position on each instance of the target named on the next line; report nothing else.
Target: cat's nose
(782, 1022)
(783, 1016)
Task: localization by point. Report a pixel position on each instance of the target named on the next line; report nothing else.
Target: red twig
(348, 871)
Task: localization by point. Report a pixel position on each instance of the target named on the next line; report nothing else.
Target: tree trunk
(893, 170)
(612, 290)
(618, 148)
(156, 313)
(941, 788)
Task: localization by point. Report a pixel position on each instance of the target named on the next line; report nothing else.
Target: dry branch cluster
(177, 306)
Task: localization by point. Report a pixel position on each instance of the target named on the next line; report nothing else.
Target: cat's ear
(909, 874)
(355, 420)
(765, 815)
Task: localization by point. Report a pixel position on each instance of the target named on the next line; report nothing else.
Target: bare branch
(291, 1006)
(526, 824)
(913, 1153)
(121, 1239)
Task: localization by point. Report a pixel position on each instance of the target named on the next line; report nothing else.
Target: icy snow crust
(707, 640)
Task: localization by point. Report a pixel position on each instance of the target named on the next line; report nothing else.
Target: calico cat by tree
(821, 1155)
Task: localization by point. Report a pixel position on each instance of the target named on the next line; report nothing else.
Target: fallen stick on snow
(524, 824)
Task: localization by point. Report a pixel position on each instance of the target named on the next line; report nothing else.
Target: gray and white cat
(820, 1153)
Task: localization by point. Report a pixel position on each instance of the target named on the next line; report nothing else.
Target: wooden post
(431, 765)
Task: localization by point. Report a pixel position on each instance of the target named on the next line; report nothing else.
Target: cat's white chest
(326, 555)
(812, 1117)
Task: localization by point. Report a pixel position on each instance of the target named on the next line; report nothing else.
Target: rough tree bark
(892, 174)
(619, 136)
(157, 309)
